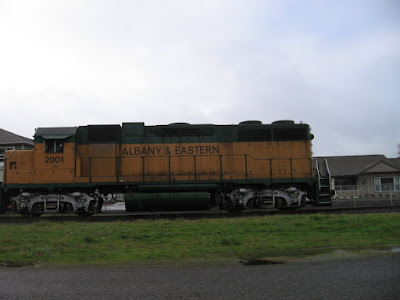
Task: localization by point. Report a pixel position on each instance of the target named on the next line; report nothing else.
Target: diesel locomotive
(178, 166)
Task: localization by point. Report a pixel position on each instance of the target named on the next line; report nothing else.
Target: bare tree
(398, 152)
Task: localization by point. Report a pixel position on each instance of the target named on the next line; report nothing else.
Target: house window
(386, 184)
(54, 146)
(3, 152)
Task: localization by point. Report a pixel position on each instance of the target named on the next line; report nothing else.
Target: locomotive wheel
(37, 209)
(228, 205)
(14, 207)
(253, 203)
(91, 210)
(303, 201)
(280, 203)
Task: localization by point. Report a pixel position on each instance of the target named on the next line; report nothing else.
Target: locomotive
(179, 166)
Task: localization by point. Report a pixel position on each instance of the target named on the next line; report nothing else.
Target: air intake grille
(104, 133)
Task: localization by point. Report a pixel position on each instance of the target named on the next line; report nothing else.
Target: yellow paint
(206, 160)
(160, 162)
(19, 166)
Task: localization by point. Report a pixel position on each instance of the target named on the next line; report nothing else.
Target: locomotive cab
(42, 180)
(54, 155)
(51, 160)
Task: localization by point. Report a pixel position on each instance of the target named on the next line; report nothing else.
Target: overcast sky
(332, 64)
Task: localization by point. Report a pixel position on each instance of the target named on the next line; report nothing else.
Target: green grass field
(207, 239)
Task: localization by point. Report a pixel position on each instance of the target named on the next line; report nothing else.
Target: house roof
(354, 165)
(382, 166)
(395, 162)
(7, 138)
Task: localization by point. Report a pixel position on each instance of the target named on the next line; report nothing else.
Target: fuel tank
(167, 201)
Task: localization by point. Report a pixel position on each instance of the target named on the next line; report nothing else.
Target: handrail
(205, 155)
(319, 174)
(329, 173)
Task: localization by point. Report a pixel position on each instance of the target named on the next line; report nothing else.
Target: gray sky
(332, 64)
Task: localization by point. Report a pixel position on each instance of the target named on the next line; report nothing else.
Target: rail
(124, 216)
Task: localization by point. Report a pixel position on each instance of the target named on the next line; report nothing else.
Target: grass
(208, 239)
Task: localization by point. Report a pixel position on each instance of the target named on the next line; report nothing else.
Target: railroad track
(210, 214)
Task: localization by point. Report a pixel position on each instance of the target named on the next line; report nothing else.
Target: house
(11, 141)
(365, 176)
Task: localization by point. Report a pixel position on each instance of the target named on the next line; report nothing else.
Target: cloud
(334, 66)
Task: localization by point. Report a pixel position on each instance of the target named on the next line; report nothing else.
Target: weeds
(255, 237)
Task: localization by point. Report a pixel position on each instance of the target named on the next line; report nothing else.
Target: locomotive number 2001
(54, 159)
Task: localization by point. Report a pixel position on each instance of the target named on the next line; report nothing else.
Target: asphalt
(337, 276)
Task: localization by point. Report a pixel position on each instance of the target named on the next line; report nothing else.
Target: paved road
(348, 278)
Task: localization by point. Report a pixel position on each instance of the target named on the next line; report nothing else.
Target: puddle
(348, 254)
(260, 262)
(16, 264)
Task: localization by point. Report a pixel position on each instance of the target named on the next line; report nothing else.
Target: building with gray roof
(365, 176)
(11, 141)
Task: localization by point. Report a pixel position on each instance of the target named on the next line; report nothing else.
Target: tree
(398, 152)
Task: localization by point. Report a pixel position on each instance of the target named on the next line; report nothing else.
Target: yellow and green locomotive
(178, 166)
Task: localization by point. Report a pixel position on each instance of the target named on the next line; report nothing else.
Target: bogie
(53, 203)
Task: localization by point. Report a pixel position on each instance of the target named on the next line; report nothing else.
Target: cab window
(54, 146)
